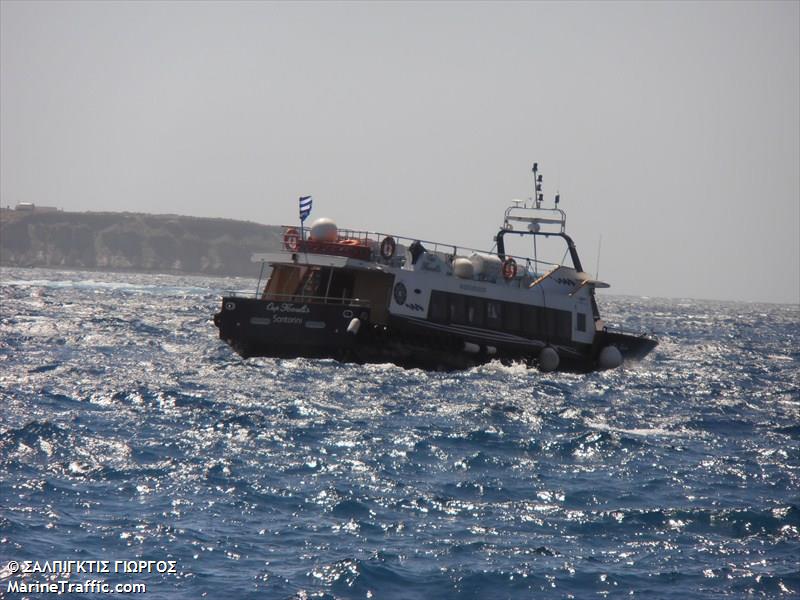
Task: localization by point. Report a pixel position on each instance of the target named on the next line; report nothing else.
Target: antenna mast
(597, 266)
(537, 181)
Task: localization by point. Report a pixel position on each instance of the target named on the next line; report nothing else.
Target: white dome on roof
(324, 230)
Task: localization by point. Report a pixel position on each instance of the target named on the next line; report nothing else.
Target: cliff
(131, 241)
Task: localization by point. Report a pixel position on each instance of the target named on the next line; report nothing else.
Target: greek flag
(305, 207)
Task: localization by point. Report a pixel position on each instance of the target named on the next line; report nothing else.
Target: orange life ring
(509, 268)
(350, 242)
(291, 239)
(388, 247)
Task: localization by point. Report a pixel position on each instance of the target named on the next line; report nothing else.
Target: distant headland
(43, 236)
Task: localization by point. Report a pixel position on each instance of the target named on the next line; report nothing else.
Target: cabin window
(558, 324)
(475, 311)
(494, 315)
(458, 309)
(310, 286)
(341, 284)
(530, 320)
(563, 324)
(511, 317)
(283, 282)
(437, 308)
(581, 322)
(375, 288)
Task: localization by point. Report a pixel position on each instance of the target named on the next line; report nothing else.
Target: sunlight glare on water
(129, 430)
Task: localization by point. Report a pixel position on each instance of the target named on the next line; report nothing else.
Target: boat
(369, 297)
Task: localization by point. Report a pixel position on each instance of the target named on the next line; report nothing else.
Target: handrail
(297, 298)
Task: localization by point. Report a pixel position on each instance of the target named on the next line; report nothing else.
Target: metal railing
(448, 252)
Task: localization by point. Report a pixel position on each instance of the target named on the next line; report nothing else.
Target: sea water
(129, 432)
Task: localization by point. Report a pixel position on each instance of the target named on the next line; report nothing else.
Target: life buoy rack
(388, 247)
(291, 239)
(509, 269)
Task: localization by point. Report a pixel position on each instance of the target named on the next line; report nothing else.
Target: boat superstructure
(375, 297)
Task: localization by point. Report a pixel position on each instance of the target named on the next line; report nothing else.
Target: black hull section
(632, 347)
(437, 346)
(256, 327)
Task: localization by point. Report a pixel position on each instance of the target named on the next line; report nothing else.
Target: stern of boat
(256, 327)
(632, 347)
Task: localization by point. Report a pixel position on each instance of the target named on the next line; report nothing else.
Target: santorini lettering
(288, 320)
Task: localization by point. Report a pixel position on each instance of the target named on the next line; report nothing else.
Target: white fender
(548, 359)
(354, 326)
(470, 347)
(610, 358)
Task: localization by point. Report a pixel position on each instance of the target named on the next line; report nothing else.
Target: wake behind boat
(371, 297)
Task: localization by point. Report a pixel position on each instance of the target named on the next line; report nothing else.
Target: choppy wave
(128, 430)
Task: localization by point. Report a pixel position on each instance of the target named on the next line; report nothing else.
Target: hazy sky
(672, 129)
